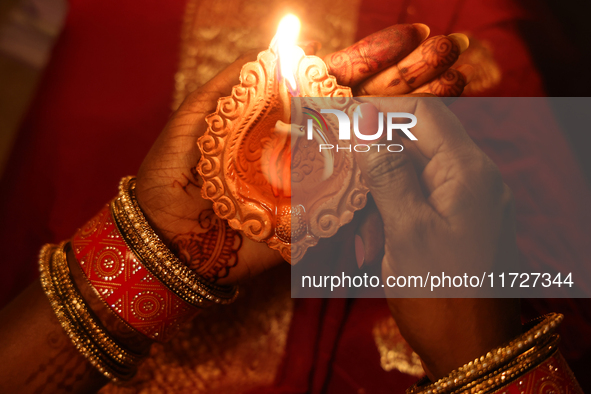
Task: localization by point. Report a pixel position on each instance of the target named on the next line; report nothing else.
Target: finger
(375, 53)
(204, 99)
(450, 83)
(419, 161)
(370, 99)
(390, 177)
(369, 236)
(425, 63)
(437, 129)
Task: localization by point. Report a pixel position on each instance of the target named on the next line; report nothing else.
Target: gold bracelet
(523, 364)
(82, 344)
(493, 360)
(158, 258)
(117, 370)
(84, 317)
(160, 269)
(112, 369)
(115, 356)
(133, 210)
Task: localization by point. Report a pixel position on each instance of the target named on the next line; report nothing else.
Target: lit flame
(284, 43)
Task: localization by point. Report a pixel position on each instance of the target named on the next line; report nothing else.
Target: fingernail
(462, 40)
(359, 251)
(368, 118)
(423, 30)
(467, 70)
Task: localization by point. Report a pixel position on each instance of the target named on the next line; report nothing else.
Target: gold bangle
(493, 360)
(156, 268)
(81, 329)
(84, 317)
(133, 210)
(112, 369)
(158, 258)
(508, 373)
(83, 345)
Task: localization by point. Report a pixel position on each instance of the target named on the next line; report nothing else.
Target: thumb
(387, 169)
(369, 236)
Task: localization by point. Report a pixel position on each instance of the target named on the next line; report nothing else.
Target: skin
(443, 201)
(375, 53)
(199, 251)
(169, 192)
(40, 358)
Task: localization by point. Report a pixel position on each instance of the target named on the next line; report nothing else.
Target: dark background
(560, 43)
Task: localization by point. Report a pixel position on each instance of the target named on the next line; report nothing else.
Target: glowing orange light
(285, 45)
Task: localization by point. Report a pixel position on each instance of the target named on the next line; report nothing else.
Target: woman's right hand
(452, 216)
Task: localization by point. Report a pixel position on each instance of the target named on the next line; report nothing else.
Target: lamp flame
(284, 44)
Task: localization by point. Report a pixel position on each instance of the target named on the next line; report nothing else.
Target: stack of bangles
(135, 275)
(530, 363)
(153, 293)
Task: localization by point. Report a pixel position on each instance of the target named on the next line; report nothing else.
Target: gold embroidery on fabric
(215, 33)
(395, 353)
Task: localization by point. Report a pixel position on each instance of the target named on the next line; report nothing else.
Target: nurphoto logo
(317, 123)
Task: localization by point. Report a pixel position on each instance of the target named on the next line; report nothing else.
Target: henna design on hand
(372, 54)
(435, 55)
(449, 84)
(428, 61)
(66, 370)
(440, 52)
(211, 253)
(193, 180)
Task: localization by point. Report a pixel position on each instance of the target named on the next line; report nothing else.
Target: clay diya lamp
(261, 172)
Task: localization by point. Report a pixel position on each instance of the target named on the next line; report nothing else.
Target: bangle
(538, 337)
(124, 283)
(524, 363)
(158, 258)
(87, 335)
(124, 330)
(82, 314)
(136, 275)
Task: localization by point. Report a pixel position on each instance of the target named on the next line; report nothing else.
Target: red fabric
(106, 96)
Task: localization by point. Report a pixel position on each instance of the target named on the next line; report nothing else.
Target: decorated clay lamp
(259, 169)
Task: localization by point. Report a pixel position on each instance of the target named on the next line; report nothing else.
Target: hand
(401, 60)
(168, 186)
(398, 60)
(443, 202)
(169, 193)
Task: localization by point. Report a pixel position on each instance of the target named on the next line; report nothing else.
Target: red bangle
(551, 376)
(520, 366)
(124, 283)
